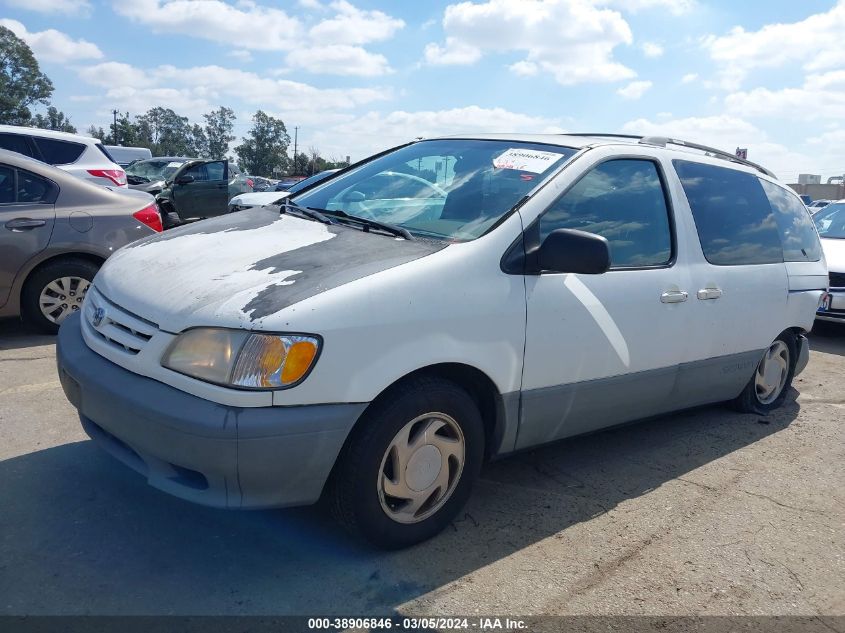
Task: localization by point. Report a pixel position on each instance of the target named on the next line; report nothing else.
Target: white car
(544, 286)
(830, 222)
(260, 198)
(82, 156)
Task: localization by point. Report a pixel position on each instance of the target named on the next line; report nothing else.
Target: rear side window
(105, 152)
(15, 143)
(622, 200)
(7, 185)
(57, 152)
(29, 188)
(735, 222)
(800, 241)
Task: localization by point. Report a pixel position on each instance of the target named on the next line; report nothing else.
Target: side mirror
(184, 180)
(572, 251)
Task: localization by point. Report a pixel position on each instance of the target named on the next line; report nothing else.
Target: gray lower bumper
(196, 449)
(803, 354)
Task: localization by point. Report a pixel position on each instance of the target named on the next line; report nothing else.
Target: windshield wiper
(367, 223)
(314, 214)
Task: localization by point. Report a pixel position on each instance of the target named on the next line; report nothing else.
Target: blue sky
(357, 76)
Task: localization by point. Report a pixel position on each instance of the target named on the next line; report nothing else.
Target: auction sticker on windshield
(532, 160)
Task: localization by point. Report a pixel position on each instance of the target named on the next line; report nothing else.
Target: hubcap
(772, 372)
(62, 297)
(421, 468)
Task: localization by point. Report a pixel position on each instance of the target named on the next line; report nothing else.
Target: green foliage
(96, 132)
(218, 131)
(264, 150)
(22, 84)
(53, 120)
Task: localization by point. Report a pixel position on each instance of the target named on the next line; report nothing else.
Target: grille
(837, 280)
(119, 328)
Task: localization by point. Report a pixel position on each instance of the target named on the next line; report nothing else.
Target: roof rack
(663, 141)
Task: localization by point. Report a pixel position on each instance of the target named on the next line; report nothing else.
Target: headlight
(241, 359)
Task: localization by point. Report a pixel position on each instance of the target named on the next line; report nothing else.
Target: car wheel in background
(55, 291)
(410, 464)
(772, 378)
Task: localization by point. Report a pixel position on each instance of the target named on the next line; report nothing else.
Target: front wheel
(767, 388)
(410, 465)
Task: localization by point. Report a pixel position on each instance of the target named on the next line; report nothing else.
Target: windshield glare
(153, 169)
(451, 189)
(830, 221)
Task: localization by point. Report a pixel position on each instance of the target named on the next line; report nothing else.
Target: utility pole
(114, 129)
(295, 139)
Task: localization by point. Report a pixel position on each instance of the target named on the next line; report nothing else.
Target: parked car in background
(123, 156)
(150, 175)
(830, 222)
(55, 232)
(807, 200)
(260, 198)
(82, 156)
(263, 184)
(377, 342)
(286, 183)
(816, 205)
(199, 189)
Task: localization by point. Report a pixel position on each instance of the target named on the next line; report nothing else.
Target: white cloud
(821, 97)
(526, 69)
(375, 131)
(634, 90)
(652, 49)
(351, 25)
(727, 132)
(331, 46)
(676, 7)
(815, 42)
(572, 40)
(192, 91)
(339, 60)
(247, 25)
(241, 55)
(52, 45)
(453, 53)
(52, 6)
(689, 78)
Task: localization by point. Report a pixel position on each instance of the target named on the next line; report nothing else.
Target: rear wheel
(767, 388)
(410, 466)
(56, 291)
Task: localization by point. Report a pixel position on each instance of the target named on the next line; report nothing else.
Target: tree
(22, 84)
(218, 131)
(165, 132)
(54, 120)
(264, 150)
(98, 133)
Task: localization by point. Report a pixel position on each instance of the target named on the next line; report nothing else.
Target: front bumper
(213, 454)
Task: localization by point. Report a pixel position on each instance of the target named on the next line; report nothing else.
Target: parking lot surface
(704, 512)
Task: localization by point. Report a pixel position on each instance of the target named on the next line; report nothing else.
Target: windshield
(452, 189)
(151, 170)
(830, 221)
(307, 182)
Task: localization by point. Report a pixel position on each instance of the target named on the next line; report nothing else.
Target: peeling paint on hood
(239, 269)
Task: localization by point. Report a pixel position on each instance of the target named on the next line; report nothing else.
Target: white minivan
(376, 337)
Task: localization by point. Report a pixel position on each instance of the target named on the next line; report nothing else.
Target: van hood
(239, 269)
(834, 253)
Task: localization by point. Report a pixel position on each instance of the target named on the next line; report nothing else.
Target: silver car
(55, 232)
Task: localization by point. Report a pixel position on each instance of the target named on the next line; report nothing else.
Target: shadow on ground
(828, 337)
(80, 533)
(14, 335)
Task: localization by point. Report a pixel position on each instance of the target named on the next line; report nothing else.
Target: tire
(754, 398)
(79, 272)
(169, 218)
(356, 492)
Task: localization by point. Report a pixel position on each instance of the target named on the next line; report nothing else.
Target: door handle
(21, 224)
(709, 293)
(674, 296)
